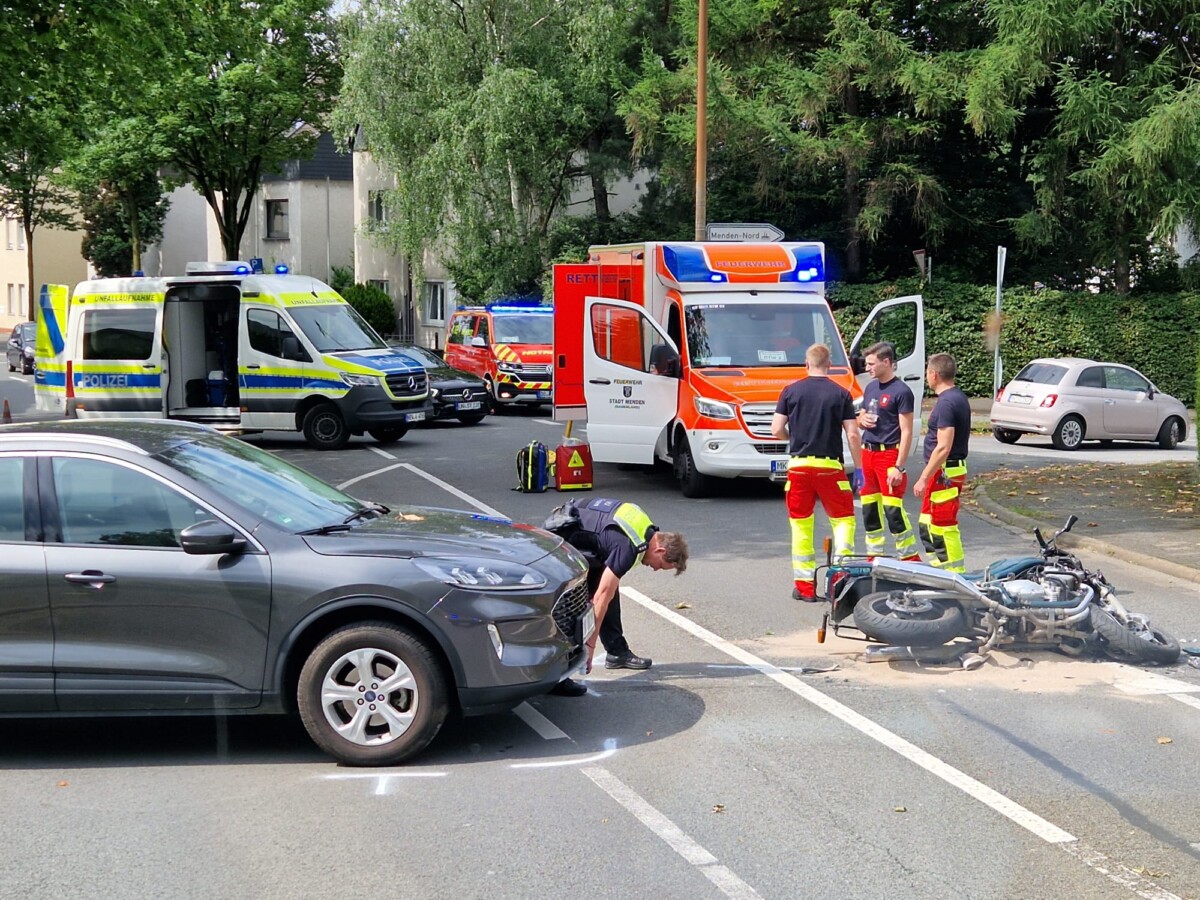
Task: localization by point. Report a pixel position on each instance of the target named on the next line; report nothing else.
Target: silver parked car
(1074, 400)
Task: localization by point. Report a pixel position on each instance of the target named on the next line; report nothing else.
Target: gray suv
(159, 567)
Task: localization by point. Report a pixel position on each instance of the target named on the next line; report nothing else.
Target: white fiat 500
(1077, 400)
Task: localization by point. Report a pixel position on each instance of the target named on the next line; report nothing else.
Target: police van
(228, 346)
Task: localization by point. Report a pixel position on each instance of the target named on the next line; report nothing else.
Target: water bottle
(873, 411)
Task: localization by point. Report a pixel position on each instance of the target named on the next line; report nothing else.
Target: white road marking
(449, 488)
(1186, 698)
(1139, 682)
(557, 424)
(610, 748)
(380, 451)
(1123, 876)
(382, 780)
(539, 723)
(671, 834)
(1026, 818)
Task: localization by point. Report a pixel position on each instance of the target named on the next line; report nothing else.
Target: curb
(980, 497)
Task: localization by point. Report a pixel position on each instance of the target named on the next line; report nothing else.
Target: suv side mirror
(210, 538)
(477, 341)
(858, 364)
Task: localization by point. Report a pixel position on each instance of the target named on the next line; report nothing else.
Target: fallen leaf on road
(899, 809)
(719, 808)
(648, 733)
(1149, 873)
(1093, 524)
(683, 606)
(1165, 740)
(63, 783)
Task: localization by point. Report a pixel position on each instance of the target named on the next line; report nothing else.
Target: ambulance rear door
(900, 321)
(50, 352)
(628, 407)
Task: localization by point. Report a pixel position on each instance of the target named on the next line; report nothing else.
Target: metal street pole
(702, 122)
(997, 363)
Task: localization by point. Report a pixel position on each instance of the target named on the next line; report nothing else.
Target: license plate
(1020, 398)
(588, 624)
(545, 395)
(779, 466)
(474, 404)
(414, 417)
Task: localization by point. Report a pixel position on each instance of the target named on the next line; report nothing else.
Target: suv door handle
(91, 578)
(599, 381)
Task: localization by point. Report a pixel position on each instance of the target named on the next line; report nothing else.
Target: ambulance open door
(901, 322)
(628, 405)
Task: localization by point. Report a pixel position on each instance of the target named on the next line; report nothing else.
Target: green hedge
(373, 304)
(1155, 333)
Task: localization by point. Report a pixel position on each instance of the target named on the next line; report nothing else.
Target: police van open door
(199, 352)
(901, 322)
(628, 405)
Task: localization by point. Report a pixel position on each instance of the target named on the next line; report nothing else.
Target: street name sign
(743, 231)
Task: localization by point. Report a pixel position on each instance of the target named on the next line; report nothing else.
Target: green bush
(1155, 333)
(374, 305)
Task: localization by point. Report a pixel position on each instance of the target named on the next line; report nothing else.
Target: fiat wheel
(372, 694)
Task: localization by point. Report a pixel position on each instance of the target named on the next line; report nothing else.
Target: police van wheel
(691, 483)
(325, 429)
(388, 435)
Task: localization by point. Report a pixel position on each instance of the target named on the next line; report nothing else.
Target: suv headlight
(435, 392)
(482, 574)
(360, 380)
(714, 409)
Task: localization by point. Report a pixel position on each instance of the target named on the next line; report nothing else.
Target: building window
(435, 302)
(277, 218)
(20, 234)
(383, 284)
(22, 301)
(12, 299)
(376, 209)
(8, 231)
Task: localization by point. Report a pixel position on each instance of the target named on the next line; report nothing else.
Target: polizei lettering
(102, 380)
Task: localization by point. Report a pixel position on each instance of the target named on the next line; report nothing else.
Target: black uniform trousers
(612, 636)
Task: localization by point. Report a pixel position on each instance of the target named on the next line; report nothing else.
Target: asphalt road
(723, 771)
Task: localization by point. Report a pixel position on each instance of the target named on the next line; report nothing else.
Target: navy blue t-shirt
(610, 549)
(952, 410)
(815, 408)
(892, 400)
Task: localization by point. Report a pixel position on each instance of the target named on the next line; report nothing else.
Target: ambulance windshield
(333, 327)
(757, 335)
(523, 328)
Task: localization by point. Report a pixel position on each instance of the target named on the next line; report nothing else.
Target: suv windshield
(749, 335)
(1041, 373)
(333, 327)
(261, 483)
(523, 328)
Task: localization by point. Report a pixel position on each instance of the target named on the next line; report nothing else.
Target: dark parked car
(21, 345)
(455, 394)
(160, 567)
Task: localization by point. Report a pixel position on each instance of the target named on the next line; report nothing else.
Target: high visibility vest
(599, 513)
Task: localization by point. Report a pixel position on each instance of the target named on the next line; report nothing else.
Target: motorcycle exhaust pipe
(921, 575)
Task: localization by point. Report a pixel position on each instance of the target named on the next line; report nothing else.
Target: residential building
(57, 259)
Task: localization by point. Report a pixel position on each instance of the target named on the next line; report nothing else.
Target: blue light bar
(522, 309)
(242, 270)
(281, 269)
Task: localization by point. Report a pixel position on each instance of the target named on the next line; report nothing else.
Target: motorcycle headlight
(714, 409)
(482, 574)
(360, 380)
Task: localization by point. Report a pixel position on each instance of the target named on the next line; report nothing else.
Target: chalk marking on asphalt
(610, 748)
(382, 780)
(539, 723)
(449, 488)
(1123, 876)
(1186, 698)
(1026, 818)
(671, 834)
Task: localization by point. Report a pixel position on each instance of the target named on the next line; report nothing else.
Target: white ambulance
(227, 346)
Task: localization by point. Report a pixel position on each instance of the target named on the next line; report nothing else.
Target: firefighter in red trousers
(886, 420)
(811, 415)
(945, 469)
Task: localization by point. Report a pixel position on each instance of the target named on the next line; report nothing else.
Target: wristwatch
(899, 469)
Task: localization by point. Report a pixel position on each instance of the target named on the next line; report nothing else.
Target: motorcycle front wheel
(898, 617)
(1142, 643)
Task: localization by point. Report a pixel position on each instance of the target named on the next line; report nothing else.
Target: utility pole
(702, 122)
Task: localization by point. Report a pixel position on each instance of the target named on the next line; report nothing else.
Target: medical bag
(533, 468)
(573, 466)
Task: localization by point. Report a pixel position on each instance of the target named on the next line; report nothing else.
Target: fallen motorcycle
(1049, 601)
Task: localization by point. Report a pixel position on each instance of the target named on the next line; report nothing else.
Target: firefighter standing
(886, 420)
(811, 415)
(615, 537)
(945, 469)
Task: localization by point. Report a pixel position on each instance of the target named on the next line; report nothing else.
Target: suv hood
(408, 531)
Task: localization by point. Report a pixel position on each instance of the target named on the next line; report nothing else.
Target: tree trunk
(135, 236)
(33, 289)
(599, 183)
(1121, 264)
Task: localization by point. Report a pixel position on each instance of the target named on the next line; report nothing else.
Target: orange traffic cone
(7, 420)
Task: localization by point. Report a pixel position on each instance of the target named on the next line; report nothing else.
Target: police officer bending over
(615, 537)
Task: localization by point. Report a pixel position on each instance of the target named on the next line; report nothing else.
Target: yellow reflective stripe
(955, 471)
(305, 298)
(140, 297)
(100, 365)
(943, 496)
(814, 462)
